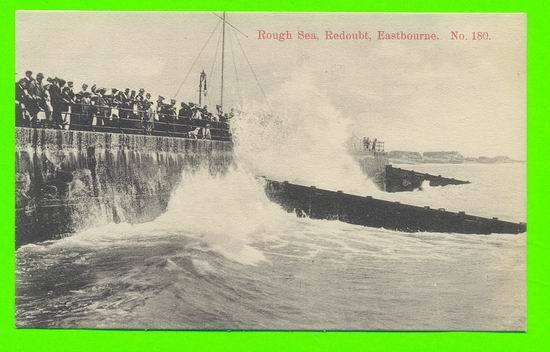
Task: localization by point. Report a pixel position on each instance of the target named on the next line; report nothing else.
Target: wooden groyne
(399, 180)
(367, 211)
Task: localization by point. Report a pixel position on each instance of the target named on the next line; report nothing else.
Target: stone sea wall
(373, 164)
(70, 180)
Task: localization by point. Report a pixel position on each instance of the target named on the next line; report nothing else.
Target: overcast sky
(441, 95)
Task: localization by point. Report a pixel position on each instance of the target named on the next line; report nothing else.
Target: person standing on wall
(40, 96)
(57, 102)
(67, 94)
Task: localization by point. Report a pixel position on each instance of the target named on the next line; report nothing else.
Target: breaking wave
(303, 141)
(226, 212)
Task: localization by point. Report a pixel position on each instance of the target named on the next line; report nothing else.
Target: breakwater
(70, 180)
(399, 180)
(368, 211)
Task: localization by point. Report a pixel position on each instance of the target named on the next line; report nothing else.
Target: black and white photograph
(270, 171)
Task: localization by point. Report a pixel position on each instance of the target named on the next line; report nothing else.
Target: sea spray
(299, 142)
(228, 212)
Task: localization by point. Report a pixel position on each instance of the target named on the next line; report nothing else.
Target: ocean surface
(224, 257)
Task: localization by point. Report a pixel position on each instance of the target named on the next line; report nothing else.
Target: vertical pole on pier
(223, 60)
(200, 89)
(202, 84)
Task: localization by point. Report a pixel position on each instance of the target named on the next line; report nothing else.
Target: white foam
(228, 212)
(302, 141)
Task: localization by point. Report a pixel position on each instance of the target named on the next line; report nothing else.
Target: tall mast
(223, 59)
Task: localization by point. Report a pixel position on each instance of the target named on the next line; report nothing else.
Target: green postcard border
(537, 337)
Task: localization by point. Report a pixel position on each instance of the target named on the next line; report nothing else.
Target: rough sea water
(238, 261)
(224, 257)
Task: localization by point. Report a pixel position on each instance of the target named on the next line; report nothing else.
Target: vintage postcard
(270, 171)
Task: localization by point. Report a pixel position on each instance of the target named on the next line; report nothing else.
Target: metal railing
(379, 146)
(103, 118)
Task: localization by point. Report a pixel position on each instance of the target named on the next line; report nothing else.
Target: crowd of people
(54, 103)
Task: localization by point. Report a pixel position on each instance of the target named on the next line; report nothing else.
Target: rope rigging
(253, 72)
(195, 60)
(229, 24)
(239, 96)
(215, 55)
(208, 99)
(233, 32)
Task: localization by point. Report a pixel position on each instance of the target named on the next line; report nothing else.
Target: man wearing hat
(185, 111)
(67, 95)
(28, 77)
(22, 97)
(133, 113)
(138, 104)
(87, 108)
(41, 96)
(84, 89)
(219, 112)
(166, 113)
(172, 110)
(49, 81)
(158, 109)
(146, 108)
(124, 98)
(102, 111)
(76, 109)
(140, 96)
(32, 103)
(205, 113)
(57, 101)
(197, 113)
(184, 117)
(113, 102)
(147, 99)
